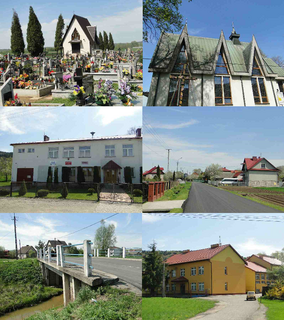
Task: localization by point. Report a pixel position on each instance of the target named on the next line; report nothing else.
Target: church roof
(203, 54)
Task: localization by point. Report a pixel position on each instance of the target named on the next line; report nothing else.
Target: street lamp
(178, 162)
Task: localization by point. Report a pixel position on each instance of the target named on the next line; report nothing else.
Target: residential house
(215, 270)
(80, 37)
(196, 71)
(152, 173)
(226, 173)
(26, 251)
(256, 277)
(265, 261)
(53, 243)
(101, 159)
(259, 172)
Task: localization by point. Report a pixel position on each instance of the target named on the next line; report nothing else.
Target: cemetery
(86, 70)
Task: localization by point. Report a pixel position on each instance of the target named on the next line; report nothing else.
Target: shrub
(4, 192)
(91, 191)
(56, 175)
(42, 193)
(64, 191)
(23, 189)
(137, 192)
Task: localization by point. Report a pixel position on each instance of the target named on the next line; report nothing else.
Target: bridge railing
(110, 252)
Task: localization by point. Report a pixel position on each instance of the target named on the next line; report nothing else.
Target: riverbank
(22, 285)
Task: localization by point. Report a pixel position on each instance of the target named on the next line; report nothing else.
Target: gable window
(223, 95)
(201, 286)
(193, 271)
(110, 151)
(193, 286)
(127, 150)
(226, 286)
(182, 272)
(85, 152)
(75, 35)
(258, 85)
(200, 270)
(263, 166)
(31, 150)
(53, 153)
(21, 150)
(68, 152)
(173, 273)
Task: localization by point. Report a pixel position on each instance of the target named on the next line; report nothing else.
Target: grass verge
(173, 308)
(275, 309)
(4, 184)
(105, 303)
(176, 210)
(179, 192)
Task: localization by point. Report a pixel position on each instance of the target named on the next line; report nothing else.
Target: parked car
(229, 181)
(251, 295)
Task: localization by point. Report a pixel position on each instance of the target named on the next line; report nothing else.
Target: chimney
(216, 245)
(186, 251)
(45, 138)
(138, 132)
(235, 36)
(254, 158)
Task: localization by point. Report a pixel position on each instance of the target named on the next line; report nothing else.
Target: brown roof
(180, 279)
(255, 267)
(198, 255)
(26, 249)
(111, 165)
(55, 243)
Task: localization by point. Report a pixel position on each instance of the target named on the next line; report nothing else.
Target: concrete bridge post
(123, 252)
(95, 252)
(61, 249)
(87, 258)
(49, 254)
(40, 253)
(108, 252)
(98, 252)
(66, 288)
(57, 255)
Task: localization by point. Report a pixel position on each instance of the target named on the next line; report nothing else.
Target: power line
(5, 234)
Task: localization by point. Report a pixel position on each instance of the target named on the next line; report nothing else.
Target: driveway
(25, 205)
(207, 199)
(233, 307)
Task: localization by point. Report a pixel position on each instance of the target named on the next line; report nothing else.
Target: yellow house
(215, 270)
(256, 277)
(265, 261)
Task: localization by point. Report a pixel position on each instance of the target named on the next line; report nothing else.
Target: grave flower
(125, 93)
(125, 72)
(139, 75)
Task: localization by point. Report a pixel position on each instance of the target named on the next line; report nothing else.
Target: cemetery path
(26, 205)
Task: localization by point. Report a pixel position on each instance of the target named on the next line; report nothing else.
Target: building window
(85, 152)
(226, 286)
(268, 283)
(257, 282)
(262, 276)
(182, 272)
(193, 286)
(167, 287)
(31, 150)
(88, 174)
(53, 153)
(255, 68)
(201, 286)
(258, 86)
(221, 65)
(68, 152)
(263, 282)
(110, 151)
(174, 273)
(193, 271)
(225, 269)
(75, 35)
(127, 150)
(200, 270)
(173, 287)
(263, 166)
(21, 150)
(257, 276)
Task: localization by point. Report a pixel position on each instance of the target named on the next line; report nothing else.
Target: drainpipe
(202, 90)
(243, 91)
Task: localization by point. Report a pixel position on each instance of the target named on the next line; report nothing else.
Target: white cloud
(251, 246)
(150, 218)
(128, 219)
(108, 115)
(176, 126)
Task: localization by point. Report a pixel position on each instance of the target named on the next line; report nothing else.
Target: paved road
(207, 199)
(233, 307)
(25, 205)
(126, 269)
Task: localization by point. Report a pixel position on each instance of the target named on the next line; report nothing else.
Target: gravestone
(6, 92)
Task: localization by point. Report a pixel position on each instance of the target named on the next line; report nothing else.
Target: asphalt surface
(207, 199)
(233, 307)
(125, 269)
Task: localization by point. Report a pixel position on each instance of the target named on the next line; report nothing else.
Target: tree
(101, 45)
(212, 171)
(111, 43)
(56, 175)
(23, 189)
(59, 33)
(279, 255)
(32, 254)
(159, 173)
(6, 167)
(97, 174)
(106, 43)
(276, 274)
(174, 176)
(35, 38)
(281, 172)
(72, 250)
(131, 131)
(40, 245)
(105, 236)
(49, 175)
(152, 270)
(279, 60)
(198, 171)
(161, 15)
(2, 251)
(64, 191)
(17, 39)
(168, 176)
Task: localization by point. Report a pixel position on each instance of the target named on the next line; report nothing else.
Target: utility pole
(168, 159)
(15, 230)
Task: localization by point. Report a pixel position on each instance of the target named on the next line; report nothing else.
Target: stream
(27, 312)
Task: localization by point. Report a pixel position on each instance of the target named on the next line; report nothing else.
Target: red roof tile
(153, 171)
(226, 170)
(252, 162)
(255, 267)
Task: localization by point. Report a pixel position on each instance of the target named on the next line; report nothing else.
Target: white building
(80, 37)
(103, 158)
(196, 71)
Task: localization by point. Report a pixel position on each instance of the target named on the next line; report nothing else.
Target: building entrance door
(110, 176)
(182, 288)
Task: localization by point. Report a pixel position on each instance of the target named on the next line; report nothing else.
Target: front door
(26, 174)
(182, 288)
(75, 47)
(110, 176)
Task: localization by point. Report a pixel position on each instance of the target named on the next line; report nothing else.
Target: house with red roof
(152, 173)
(215, 270)
(259, 172)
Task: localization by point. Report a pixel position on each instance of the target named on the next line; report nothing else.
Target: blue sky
(107, 15)
(171, 232)
(207, 18)
(34, 227)
(29, 124)
(202, 136)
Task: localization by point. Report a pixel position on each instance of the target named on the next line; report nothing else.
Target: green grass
(179, 192)
(66, 102)
(111, 304)
(21, 285)
(176, 210)
(4, 184)
(173, 308)
(275, 309)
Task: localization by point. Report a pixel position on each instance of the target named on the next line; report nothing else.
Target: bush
(64, 191)
(91, 191)
(4, 192)
(137, 192)
(23, 189)
(42, 193)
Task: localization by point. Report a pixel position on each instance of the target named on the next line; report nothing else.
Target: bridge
(72, 275)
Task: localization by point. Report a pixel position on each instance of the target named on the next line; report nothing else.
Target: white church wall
(237, 92)
(194, 98)
(208, 91)
(248, 91)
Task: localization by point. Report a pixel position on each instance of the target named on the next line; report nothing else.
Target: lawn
(275, 309)
(174, 308)
(176, 210)
(179, 192)
(4, 184)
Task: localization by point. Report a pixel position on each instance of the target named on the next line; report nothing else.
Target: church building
(80, 37)
(195, 71)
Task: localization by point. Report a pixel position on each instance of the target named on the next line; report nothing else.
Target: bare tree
(132, 130)
(279, 60)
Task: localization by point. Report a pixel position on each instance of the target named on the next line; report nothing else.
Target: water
(27, 312)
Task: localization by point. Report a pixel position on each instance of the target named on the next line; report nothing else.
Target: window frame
(191, 273)
(193, 283)
(127, 150)
(174, 273)
(68, 149)
(257, 77)
(223, 91)
(22, 150)
(226, 286)
(31, 149)
(199, 269)
(201, 284)
(226, 271)
(111, 149)
(174, 287)
(54, 149)
(84, 152)
(182, 272)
